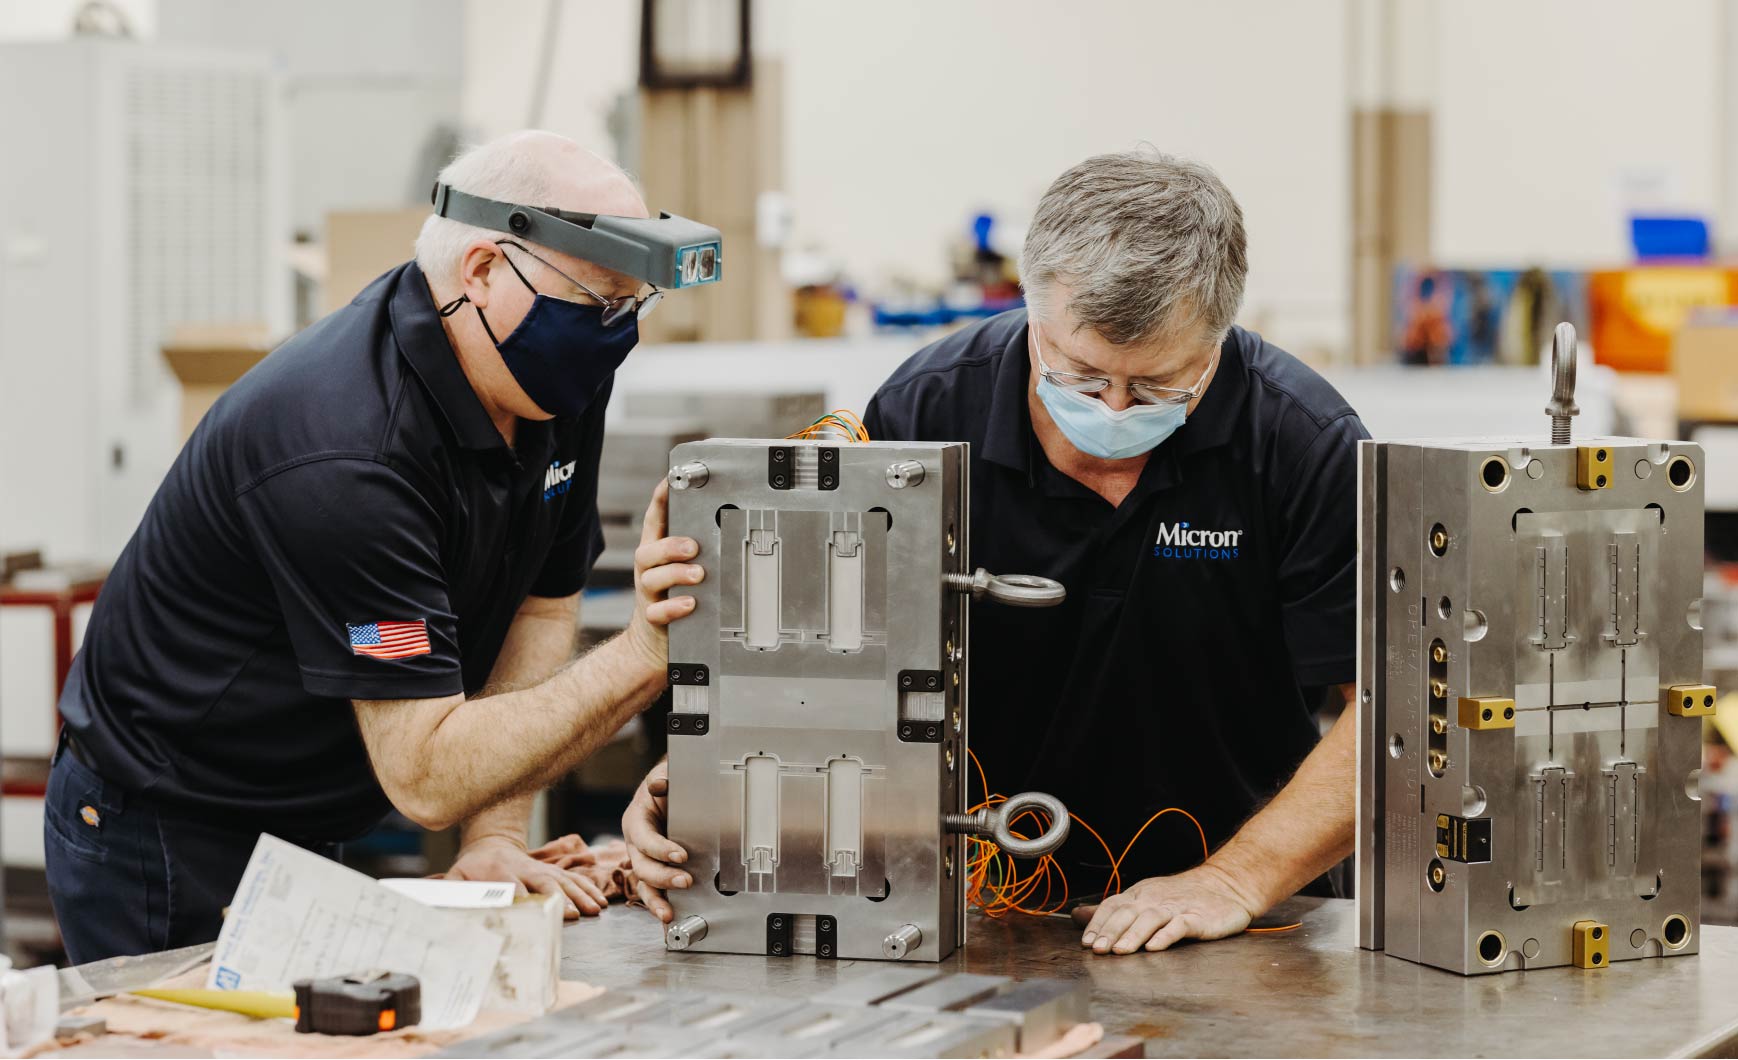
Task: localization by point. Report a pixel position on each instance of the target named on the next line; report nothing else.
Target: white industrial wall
(904, 115)
(1553, 117)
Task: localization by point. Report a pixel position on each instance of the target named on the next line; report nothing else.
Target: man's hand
(497, 858)
(1198, 904)
(654, 857)
(660, 564)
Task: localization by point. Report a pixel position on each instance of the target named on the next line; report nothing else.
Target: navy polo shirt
(345, 523)
(1205, 613)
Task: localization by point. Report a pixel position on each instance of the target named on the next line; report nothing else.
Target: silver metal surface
(1039, 1010)
(930, 1035)
(819, 697)
(950, 992)
(85, 983)
(997, 821)
(1017, 590)
(693, 475)
(903, 473)
(685, 932)
(1479, 580)
(1562, 406)
(901, 942)
(1310, 992)
(868, 985)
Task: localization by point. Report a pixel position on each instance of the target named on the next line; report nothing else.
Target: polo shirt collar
(416, 327)
(1008, 436)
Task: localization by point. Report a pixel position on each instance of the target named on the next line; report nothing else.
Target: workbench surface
(1310, 992)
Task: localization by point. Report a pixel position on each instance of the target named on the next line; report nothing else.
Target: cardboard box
(206, 358)
(362, 244)
(1705, 367)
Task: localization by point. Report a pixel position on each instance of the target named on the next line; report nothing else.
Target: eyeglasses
(615, 310)
(1145, 393)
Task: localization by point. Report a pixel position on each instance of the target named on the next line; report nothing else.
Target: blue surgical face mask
(1093, 427)
(1113, 434)
(562, 352)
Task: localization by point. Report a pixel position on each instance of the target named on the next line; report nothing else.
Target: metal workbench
(1309, 992)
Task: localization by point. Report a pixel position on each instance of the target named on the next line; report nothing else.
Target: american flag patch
(390, 640)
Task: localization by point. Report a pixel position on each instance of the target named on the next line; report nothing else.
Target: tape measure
(366, 1003)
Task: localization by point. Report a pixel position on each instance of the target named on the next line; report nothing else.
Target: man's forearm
(508, 819)
(488, 749)
(1304, 831)
(541, 640)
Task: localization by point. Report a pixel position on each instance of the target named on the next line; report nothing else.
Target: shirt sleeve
(1318, 568)
(888, 417)
(579, 539)
(353, 553)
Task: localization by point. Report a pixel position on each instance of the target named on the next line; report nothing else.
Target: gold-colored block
(1689, 701)
(1488, 712)
(1593, 467)
(1592, 945)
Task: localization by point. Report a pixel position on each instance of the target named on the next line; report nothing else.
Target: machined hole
(1515, 519)
(1675, 932)
(1681, 473)
(1492, 948)
(1396, 746)
(1438, 540)
(1397, 580)
(1494, 473)
(1445, 607)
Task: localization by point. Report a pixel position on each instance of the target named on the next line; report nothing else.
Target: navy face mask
(562, 352)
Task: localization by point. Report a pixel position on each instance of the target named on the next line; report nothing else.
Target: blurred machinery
(818, 727)
(636, 450)
(1531, 697)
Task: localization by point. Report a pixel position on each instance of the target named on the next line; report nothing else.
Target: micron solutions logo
(558, 478)
(1180, 541)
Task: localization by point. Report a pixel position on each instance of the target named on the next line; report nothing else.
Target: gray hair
(1147, 245)
(503, 169)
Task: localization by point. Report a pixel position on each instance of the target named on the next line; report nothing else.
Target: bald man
(357, 588)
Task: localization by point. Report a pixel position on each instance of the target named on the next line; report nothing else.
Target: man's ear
(475, 269)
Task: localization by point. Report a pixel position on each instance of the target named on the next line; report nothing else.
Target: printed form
(297, 915)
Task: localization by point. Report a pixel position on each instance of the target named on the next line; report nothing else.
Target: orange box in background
(1635, 313)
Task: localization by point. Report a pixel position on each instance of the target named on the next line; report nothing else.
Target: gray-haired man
(1194, 488)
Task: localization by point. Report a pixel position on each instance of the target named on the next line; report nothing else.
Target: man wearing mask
(357, 587)
(1194, 488)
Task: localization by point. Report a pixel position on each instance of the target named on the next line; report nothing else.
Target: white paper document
(298, 915)
(454, 894)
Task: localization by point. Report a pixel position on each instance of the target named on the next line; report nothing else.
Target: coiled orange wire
(1010, 893)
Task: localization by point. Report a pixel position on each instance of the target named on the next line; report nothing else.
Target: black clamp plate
(781, 467)
(829, 468)
(826, 937)
(920, 681)
(690, 674)
(686, 724)
(778, 934)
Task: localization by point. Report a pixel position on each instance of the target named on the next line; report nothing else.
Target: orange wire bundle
(839, 423)
(1009, 893)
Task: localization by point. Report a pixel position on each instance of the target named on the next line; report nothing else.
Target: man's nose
(1117, 397)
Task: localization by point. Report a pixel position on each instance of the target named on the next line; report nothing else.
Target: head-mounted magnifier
(667, 251)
